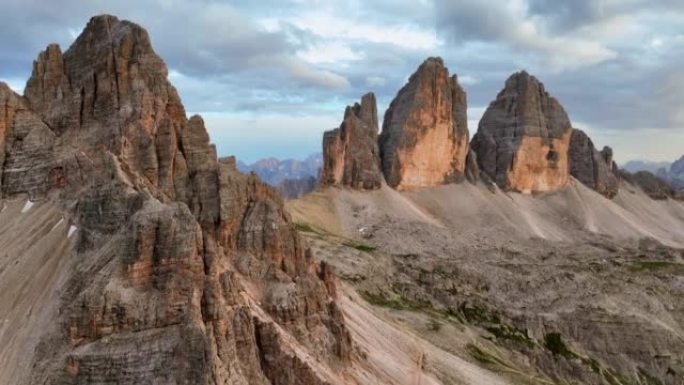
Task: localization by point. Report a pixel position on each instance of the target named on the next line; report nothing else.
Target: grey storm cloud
(614, 64)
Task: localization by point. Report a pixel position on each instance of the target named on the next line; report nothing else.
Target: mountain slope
(541, 289)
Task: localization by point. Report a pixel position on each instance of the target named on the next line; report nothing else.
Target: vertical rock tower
(592, 167)
(350, 152)
(184, 270)
(523, 138)
(424, 140)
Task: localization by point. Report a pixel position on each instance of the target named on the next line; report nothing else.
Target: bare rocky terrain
(566, 287)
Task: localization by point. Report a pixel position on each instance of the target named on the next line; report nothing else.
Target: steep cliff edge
(181, 268)
(350, 153)
(592, 167)
(424, 139)
(523, 138)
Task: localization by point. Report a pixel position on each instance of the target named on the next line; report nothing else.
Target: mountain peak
(523, 137)
(424, 140)
(350, 152)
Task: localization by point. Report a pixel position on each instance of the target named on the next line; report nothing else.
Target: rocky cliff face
(185, 270)
(656, 187)
(592, 167)
(424, 140)
(350, 152)
(673, 173)
(523, 138)
(294, 188)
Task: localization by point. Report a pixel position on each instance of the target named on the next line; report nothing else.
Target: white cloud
(15, 84)
(333, 27)
(375, 81)
(329, 52)
(313, 76)
(645, 143)
(509, 22)
(468, 80)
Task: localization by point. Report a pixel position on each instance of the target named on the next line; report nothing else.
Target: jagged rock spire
(424, 140)
(350, 152)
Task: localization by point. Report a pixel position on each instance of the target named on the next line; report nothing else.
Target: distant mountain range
(292, 177)
(672, 172)
(645, 165)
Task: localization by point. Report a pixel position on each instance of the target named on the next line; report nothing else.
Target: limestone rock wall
(424, 139)
(592, 167)
(184, 270)
(523, 138)
(350, 152)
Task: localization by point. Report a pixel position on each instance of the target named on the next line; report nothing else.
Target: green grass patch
(305, 228)
(476, 314)
(509, 333)
(434, 325)
(648, 379)
(491, 322)
(360, 247)
(640, 266)
(484, 357)
(554, 343)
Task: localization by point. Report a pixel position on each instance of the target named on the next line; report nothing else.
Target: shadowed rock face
(350, 152)
(592, 167)
(185, 270)
(656, 187)
(424, 140)
(522, 140)
(294, 188)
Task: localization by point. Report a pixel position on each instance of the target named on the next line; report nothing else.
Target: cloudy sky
(269, 76)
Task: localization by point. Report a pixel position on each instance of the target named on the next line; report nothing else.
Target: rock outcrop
(523, 138)
(592, 167)
(184, 270)
(424, 139)
(673, 174)
(350, 152)
(295, 188)
(654, 186)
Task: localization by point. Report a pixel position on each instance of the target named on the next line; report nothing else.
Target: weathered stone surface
(674, 174)
(591, 167)
(182, 264)
(424, 140)
(295, 188)
(472, 170)
(654, 186)
(522, 140)
(350, 152)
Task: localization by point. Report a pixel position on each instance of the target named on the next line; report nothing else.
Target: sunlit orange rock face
(523, 138)
(350, 152)
(424, 140)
